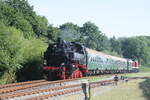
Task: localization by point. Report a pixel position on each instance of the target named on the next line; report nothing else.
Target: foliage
(135, 49)
(19, 14)
(92, 36)
(146, 88)
(115, 45)
(18, 55)
(33, 55)
(11, 17)
(20, 47)
(11, 52)
(52, 33)
(114, 53)
(144, 69)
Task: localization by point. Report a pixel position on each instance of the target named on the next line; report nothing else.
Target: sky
(119, 18)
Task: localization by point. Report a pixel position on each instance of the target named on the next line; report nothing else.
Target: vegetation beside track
(145, 86)
(143, 72)
(124, 91)
(98, 77)
(73, 97)
(144, 69)
(140, 74)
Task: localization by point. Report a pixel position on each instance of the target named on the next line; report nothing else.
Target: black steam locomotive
(65, 60)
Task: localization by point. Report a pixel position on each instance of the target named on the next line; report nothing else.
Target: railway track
(20, 84)
(47, 90)
(40, 93)
(31, 86)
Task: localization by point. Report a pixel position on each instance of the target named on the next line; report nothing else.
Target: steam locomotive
(65, 60)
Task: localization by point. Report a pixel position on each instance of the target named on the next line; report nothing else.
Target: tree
(52, 33)
(33, 60)
(20, 47)
(21, 58)
(11, 52)
(41, 26)
(19, 14)
(92, 36)
(11, 17)
(135, 49)
(20, 5)
(115, 45)
(5, 13)
(22, 24)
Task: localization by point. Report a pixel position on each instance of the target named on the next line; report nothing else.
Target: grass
(95, 78)
(140, 74)
(73, 97)
(144, 69)
(124, 91)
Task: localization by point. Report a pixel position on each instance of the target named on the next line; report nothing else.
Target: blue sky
(117, 18)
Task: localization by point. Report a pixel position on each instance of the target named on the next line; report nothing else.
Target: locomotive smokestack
(60, 41)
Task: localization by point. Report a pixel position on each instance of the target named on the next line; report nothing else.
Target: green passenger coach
(99, 62)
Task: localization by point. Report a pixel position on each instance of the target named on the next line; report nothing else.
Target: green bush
(33, 53)
(11, 52)
(21, 58)
(145, 86)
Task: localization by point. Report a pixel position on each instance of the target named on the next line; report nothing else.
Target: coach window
(95, 59)
(91, 59)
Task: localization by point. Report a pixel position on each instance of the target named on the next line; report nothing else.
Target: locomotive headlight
(73, 65)
(44, 62)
